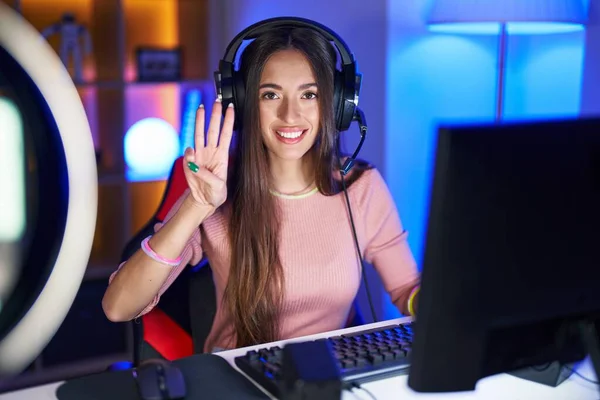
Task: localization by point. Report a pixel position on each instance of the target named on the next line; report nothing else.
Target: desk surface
(498, 387)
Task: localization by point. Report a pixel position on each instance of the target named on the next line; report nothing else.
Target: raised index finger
(199, 141)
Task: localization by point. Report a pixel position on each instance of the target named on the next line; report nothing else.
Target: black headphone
(347, 82)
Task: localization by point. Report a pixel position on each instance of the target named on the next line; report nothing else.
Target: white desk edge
(498, 387)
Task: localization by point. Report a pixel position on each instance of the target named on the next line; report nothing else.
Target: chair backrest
(178, 326)
(176, 185)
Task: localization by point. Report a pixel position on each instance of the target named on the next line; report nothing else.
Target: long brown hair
(254, 292)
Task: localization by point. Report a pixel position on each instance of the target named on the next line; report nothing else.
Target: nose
(290, 111)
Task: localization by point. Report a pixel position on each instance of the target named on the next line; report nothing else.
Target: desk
(498, 387)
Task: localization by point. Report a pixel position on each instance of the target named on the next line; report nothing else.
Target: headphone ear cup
(224, 83)
(231, 88)
(338, 99)
(345, 92)
(239, 98)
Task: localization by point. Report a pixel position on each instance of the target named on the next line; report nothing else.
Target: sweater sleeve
(386, 245)
(191, 255)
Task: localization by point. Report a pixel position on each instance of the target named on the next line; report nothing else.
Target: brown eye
(269, 96)
(309, 95)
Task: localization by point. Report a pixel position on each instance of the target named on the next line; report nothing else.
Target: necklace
(300, 193)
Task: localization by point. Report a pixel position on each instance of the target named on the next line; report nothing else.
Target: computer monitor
(48, 193)
(511, 271)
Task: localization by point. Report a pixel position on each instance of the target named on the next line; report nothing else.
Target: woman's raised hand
(206, 165)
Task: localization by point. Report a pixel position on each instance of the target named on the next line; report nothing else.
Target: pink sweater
(321, 269)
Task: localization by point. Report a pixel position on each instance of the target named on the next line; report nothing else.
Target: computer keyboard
(362, 356)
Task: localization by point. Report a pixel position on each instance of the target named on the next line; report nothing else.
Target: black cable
(364, 273)
(581, 376)
(359, 387)
(544, 367)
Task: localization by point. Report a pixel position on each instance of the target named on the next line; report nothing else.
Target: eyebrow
(278, 87)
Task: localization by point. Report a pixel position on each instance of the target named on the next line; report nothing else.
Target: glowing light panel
(513, 28)
(193, 98)
(151, 147)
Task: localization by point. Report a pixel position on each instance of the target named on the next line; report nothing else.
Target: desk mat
(207, 377)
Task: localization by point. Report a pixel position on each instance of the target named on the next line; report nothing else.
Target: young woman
(275, 228)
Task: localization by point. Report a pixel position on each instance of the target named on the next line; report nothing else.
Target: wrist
(412, 300)
(195, 210)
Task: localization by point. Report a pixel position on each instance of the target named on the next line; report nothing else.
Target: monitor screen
(511, 269)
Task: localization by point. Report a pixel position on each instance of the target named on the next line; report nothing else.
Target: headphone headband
(230, 85)
(260, 27)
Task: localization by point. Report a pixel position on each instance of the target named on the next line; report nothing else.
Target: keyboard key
(361, 361)
(375, 358)
(252, 355)
(361, 353)
(399, 353)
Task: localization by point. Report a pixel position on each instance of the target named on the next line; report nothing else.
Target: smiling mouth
(290, 136)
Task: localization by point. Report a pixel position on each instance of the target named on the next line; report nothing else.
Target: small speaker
(310, 372)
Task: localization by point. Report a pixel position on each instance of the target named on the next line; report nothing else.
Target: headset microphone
(359, 116)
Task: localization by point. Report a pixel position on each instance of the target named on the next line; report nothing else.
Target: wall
(430, 78)
(590, 96)
(545, 76)
(452, 78)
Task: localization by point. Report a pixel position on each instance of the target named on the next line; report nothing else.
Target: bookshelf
(114, 99)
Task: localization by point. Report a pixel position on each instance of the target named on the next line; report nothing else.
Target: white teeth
(290, 135)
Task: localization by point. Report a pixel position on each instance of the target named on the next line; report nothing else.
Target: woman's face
(288, 105)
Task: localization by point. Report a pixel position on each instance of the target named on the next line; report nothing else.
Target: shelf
(191, 82)
(100, 84)
(123, 84)
(114, 99)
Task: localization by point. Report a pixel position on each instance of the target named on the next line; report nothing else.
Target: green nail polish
(193, 167)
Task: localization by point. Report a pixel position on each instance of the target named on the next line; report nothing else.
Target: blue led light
(121, 366)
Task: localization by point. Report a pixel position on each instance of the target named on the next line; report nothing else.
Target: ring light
(21, 345)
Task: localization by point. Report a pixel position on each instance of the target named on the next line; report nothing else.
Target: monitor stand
(555, 373)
